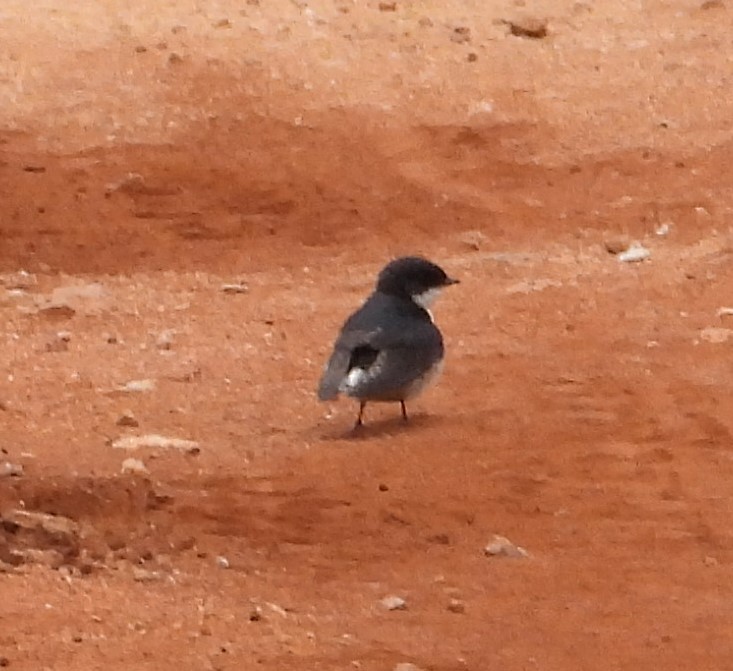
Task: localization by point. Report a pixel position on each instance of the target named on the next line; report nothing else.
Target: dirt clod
(456, 606)
(529, 27)
(127, 419)
(616, 245)
(461, 35)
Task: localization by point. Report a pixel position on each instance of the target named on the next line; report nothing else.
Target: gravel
(499, 546)
(393, 603)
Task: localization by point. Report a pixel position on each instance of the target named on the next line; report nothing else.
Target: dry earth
(152, 152)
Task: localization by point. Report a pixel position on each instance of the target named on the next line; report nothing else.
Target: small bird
(390, 350)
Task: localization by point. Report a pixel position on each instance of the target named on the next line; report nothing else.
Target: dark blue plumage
(389, 349)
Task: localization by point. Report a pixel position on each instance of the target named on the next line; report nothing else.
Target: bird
(390, 349)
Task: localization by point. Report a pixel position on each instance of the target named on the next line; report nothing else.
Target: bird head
(415, 278)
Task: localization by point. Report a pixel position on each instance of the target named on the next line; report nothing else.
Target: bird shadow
(389, 426)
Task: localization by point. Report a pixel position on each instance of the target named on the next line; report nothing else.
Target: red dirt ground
(152, 152)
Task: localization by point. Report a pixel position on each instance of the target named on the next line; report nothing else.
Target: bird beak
(450, 281)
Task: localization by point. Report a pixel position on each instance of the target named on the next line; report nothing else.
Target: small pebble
(393, 603)
(10, 470)
(635, 253)
(239, 288)
(472, 240)
(716, 335)
(153, 440)
(499, 546)
(143, 575)
(134, 466)
(275, 608)
(165, 339)
(406, 666)
(222, 562)
(138, 385)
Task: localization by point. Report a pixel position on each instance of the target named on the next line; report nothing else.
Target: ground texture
(153, 152)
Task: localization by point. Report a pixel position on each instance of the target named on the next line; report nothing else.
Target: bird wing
(391, 358)
(399, 363)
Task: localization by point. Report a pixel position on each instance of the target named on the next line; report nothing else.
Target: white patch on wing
(355, 378)
(427, 298)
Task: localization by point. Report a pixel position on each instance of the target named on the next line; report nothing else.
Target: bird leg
(404, 410)
(360, 418)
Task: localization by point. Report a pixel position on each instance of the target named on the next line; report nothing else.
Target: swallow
(390, 349)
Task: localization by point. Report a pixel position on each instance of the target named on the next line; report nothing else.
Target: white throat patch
(427, 298)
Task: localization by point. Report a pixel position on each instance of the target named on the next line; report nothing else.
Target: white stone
(393, 603)
(499, 546)
(635, 253)
(156, 441)
(134, 466)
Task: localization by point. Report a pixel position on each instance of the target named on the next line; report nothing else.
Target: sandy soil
(152, 152)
